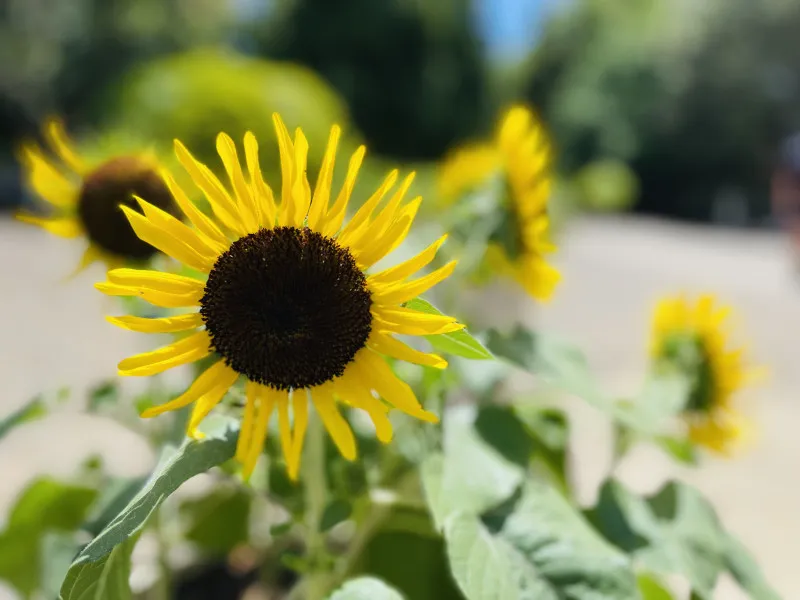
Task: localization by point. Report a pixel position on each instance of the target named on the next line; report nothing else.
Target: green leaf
(675, 531)
(548, 428)
(651, 589)
(563, 550)
(58, 550)
(365, 588)
(335, 512)
(470, 476)
(103, 394)
(218, 521)
(105, 579)
(564, 367)
(115, 495)
(45, 506)
(406, 552)
(460, 343)
(192, 458)
(32, 410)
(746, 571)
(682, 450)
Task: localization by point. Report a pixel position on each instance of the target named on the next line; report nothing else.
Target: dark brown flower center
(287, 307)
(113, 183)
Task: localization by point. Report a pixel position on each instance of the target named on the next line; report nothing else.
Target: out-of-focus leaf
(365, 588)
(218, 521)
(549, 430)
(406, 552)
(651, 589)
(681, 450)
(45, 506)
(32, 410)
(746, 571)
(58, 550)
(470, 475)
(542, 549)
(336, 511)
(175, 467)
(105, 579)
(676, 531)
(460, 343)
(102, 395)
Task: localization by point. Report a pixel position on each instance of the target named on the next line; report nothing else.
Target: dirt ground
(613, 269)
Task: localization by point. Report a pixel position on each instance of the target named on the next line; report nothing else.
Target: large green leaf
(567, 553)
(219, 520)
(676, 531)
(176, 466)
(45, 506)
(30, 411)
(365, 588)
(564, 367)
(105, 579)
(470, 475)
(460, 343)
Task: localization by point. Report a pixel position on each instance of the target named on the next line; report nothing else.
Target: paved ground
(614, 269)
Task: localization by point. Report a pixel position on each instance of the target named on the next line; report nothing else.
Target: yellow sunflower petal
(337, 426)
(350, 390)
(168, 283)
(265, 199)
(364, 213)
(386, 344)
(538, 277)
(248, 209)
(169, 245)
(57, 138)
(210, 378)
(184, 351)
(322, 189)
(301, 191)
(409, 267)
(300, 409)
(178, 230)
(46, 180)
(284, 424)
(385, 244)
(243, 444)
(159, 325)
(209, 400)
(156, 298)
(335, 217)
(411, 322)
(389, 212)
(286, 209)
(206, 226)
(371, 369)
(223, 206)
(266, 404)
(65, 227)
(403, 292)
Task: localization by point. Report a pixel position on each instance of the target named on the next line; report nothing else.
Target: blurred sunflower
(287, 304)
(86, 196)
(519, 158)
(694, 338)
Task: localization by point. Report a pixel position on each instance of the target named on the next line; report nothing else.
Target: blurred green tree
(411, 71)
(694, 95)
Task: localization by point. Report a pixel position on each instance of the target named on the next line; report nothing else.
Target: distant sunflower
(693, 337)
(86, 197)
(287, 303)
(520, 156)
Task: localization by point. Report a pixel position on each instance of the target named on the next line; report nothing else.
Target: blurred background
(667, 114)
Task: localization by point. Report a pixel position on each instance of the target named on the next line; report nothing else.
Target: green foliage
(459, 343)
(44, 506)
(676, 531)
(365, 588)
(30, 411)
(218, 521)
(105, 579)
(410, 73)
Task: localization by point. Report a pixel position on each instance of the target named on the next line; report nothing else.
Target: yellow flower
(693, 337)
(86, 198)
(287, 304)
(520, 155)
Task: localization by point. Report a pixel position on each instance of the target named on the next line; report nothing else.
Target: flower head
(287, 303)
(693, 337)
(86, 198)
(518, 161)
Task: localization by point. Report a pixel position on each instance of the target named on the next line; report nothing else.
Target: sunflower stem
(316, 495)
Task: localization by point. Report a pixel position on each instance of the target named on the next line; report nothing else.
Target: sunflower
(520, 157)
(86, 196)
(693, 338)
(287, 305)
